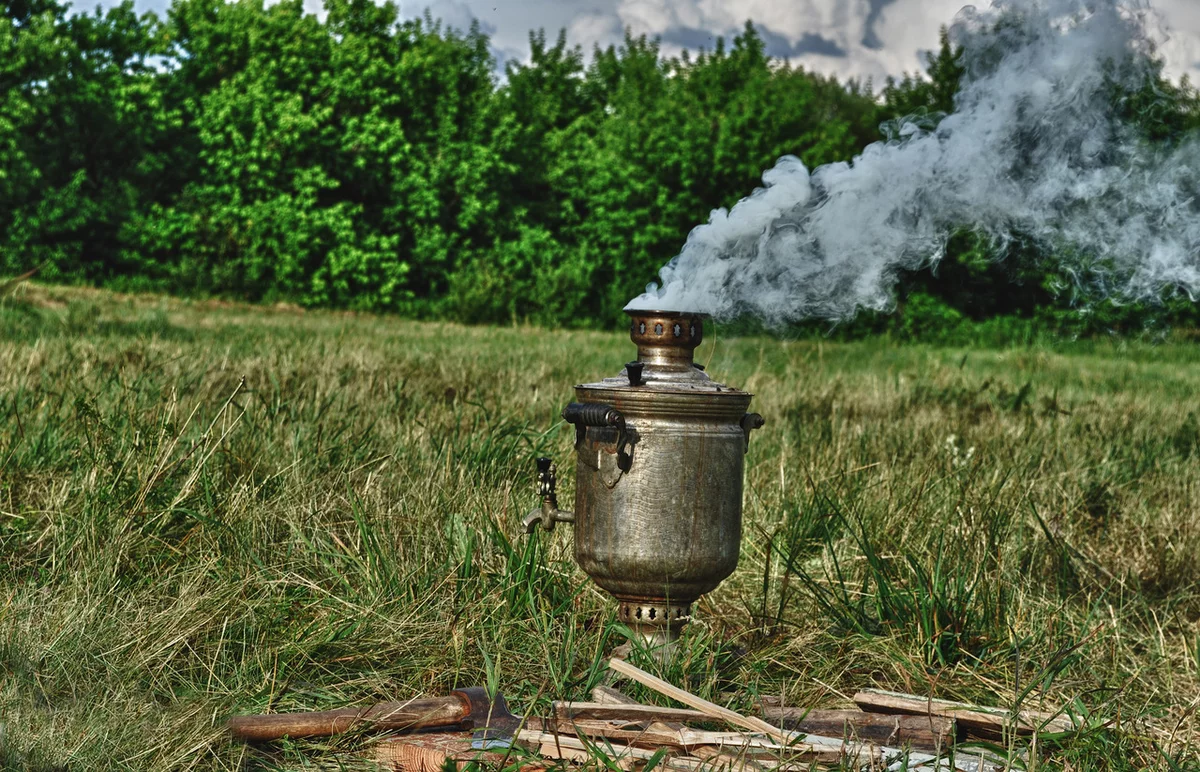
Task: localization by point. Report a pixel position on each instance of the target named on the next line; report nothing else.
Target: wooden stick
(616, 697)
(692, 701)
(604, 711)
(573, 749)
(929, 732)
(975, 719)
(411, 714)
(564, 741)
(691, 739)
(606, 695)
(726, 759)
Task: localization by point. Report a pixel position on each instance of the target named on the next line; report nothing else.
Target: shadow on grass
(21, 321)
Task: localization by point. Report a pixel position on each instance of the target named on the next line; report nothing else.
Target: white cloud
(453, 13)
(902, 29)
(1181, 24)
(594, 29)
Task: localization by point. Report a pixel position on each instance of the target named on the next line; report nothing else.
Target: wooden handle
(413, 714)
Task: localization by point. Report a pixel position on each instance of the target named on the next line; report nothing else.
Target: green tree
(79, 132)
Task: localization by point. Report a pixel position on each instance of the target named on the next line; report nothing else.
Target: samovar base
(657, 624)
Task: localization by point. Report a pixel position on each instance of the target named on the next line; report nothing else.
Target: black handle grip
(592, 414)
(585, 414)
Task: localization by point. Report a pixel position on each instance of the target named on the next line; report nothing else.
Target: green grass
(209, 508)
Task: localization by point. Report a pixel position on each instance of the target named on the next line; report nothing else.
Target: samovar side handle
(749, 423)
(585, 414)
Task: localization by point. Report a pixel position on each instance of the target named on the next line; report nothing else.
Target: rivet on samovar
(659, 463)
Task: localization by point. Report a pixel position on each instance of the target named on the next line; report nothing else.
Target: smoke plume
(1035, 147)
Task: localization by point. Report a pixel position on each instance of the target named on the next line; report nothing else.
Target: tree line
(373, 162)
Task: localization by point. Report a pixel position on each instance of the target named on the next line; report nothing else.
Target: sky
(846, 38)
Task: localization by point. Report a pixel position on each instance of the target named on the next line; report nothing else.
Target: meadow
(209, 508)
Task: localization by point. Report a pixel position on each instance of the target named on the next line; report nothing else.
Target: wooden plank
(973, 719)
(926, 732)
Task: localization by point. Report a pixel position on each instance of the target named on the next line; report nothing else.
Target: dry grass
(210, 508)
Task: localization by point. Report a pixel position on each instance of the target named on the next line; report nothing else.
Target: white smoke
(1034, 148)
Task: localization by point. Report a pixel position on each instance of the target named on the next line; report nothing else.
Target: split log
(927, 732)
(974, 720)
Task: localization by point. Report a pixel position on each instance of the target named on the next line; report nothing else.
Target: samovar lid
(666, 343)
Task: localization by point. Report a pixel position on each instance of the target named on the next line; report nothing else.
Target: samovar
(658, 487)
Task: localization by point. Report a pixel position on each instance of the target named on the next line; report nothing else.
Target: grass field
(209, 508)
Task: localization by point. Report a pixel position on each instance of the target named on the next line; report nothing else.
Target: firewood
(728, 760)
(616, 697)
(607, 711)
(606, 695)
(687, 698)
(975, 720)
(927, 732)
(691, 739)
(430, 752)
(561, 741)
(721, 759)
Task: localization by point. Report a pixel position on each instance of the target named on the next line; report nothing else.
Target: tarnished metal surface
(670, 526)
(658, 500)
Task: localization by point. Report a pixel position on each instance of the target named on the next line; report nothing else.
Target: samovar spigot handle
(548, 514)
